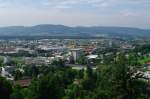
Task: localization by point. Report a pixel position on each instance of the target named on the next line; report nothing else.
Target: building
(6, 60)
(92, 56)
(7, 72)
(91, 60)
(76, 53)
(23, 82)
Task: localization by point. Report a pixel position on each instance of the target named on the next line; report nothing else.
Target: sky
(126, 13)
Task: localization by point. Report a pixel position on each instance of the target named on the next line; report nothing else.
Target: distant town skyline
(124, 13)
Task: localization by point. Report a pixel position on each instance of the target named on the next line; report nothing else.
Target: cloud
(63, 4)
(75, 12)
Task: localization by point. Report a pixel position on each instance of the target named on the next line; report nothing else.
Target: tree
(31, 70)
(74, 92)
(48, 87)
(82, 60)
(17, 93)
(117, 81)
(1, 61)
(5, 88)
(18, 74)
(59, 63)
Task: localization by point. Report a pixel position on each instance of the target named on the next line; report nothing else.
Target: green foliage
(59, 63)
(1, 61)
(49, 86)
(73, 92)
(144, 60)
(17, 93)
(144, 49)
(113, 80)
(133, 59)
(117, 81)
(82, 60)
(18, 74)
(5, 88)
(53, 83)
(31, 70)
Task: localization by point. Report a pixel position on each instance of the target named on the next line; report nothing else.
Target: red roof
(23, 83)
(147, 63)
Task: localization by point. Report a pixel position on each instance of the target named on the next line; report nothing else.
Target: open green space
(146, 59)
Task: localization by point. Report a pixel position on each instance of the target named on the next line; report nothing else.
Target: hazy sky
(133, 13)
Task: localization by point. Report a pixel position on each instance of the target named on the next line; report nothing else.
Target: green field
(146, 59)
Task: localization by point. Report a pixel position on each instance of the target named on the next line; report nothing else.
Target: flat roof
(92, 56)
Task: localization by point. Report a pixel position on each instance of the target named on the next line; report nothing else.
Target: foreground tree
(118, 81)
(5, 88)
(17, 93)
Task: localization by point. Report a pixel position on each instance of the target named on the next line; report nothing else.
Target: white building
(92, 56)
(76, 53)
(6, 72)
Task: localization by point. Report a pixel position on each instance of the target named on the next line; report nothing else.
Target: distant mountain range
(61, 30)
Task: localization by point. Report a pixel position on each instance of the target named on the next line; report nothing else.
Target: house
(7, 72)
(76, 53)
(147, 64)
(23, 82)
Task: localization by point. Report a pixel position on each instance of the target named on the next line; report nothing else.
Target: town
(19, 55)
(74, 49)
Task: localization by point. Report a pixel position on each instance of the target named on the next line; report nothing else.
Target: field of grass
(146, 59)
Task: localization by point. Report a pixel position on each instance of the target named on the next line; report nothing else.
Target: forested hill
(61, 30)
